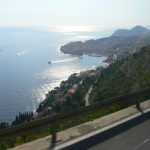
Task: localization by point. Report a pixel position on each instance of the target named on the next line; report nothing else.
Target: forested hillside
(123, 76)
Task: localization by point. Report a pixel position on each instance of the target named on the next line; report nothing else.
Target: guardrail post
(138, 104)
(53, 129)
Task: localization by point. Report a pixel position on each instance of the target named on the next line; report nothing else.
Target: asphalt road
(131, 135)
(136, 138)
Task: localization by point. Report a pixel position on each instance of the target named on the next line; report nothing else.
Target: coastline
(64, 85)
(68, 89)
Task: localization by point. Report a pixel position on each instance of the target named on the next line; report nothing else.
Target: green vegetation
(15, 141)
(4, 125)
(64, 98)
(22, 118)
(123, 76)
(12, 142)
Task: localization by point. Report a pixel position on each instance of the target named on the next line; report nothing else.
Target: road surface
(132, 135)
(87, 96)
(136, 138)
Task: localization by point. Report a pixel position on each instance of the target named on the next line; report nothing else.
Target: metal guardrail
(25, 128)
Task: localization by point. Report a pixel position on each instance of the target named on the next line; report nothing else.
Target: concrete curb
(132, 120)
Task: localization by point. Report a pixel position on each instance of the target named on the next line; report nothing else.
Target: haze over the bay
(75, 14)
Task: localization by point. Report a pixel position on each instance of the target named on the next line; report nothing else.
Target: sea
(25, 74)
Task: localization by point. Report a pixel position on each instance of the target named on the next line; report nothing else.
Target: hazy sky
(103, 13)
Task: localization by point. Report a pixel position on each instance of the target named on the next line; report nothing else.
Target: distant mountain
(136, 31)
(148, 27)
(122, 43)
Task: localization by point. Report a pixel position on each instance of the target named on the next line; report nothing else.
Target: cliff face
(122, 42)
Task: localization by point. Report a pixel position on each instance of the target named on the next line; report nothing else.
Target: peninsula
(122, 43)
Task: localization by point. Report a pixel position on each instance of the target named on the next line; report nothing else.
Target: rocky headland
(121, 43)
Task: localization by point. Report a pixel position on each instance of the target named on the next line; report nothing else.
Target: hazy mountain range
(136, 31)
(122, 42)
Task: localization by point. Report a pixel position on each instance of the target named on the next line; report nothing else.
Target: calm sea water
(26, 76)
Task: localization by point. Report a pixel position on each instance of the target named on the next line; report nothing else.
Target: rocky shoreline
(69, 95)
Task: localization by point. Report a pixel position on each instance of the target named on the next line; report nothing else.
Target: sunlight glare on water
(25, 75)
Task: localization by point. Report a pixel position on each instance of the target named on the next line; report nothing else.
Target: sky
(48, 13)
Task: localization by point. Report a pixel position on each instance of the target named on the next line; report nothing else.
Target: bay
(26, 76)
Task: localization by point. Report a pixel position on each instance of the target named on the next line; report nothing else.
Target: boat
(49, 62)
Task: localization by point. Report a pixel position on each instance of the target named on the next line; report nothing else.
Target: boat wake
(23, 52)
(65, 60)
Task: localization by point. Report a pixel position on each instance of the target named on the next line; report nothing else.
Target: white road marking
(144, 142)
(81, 138)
